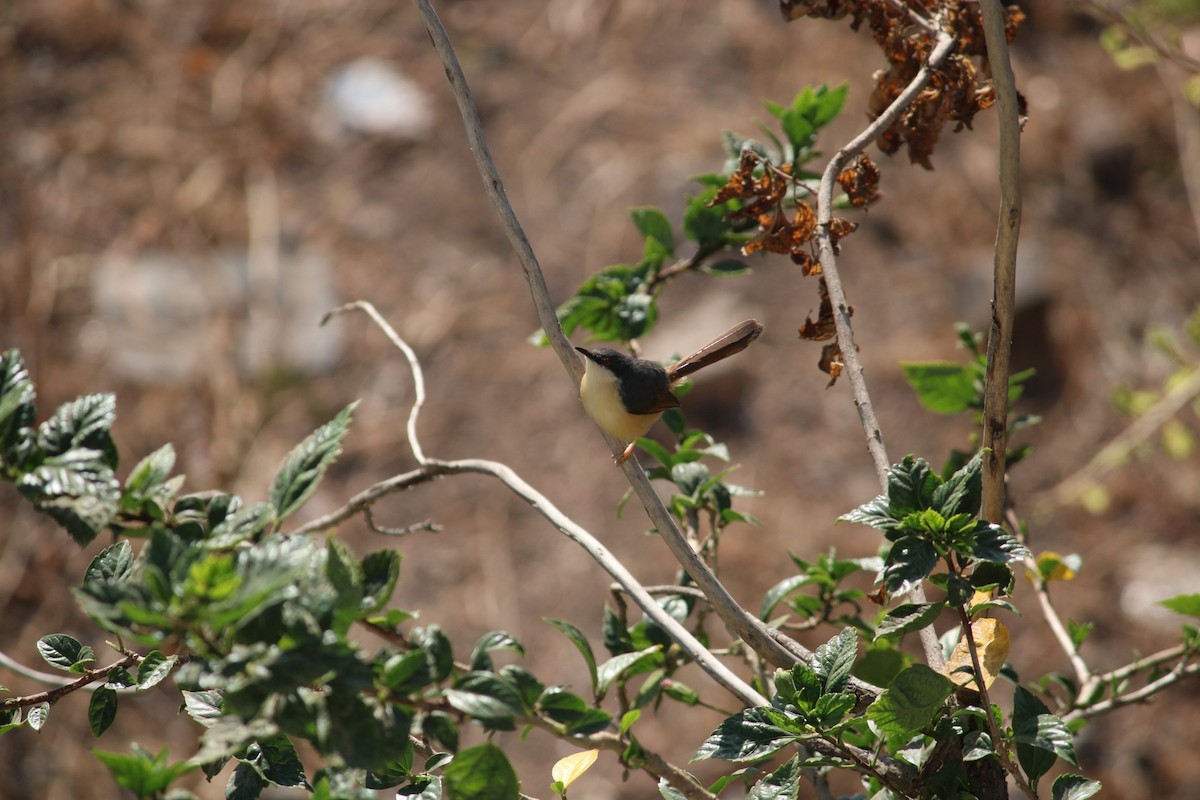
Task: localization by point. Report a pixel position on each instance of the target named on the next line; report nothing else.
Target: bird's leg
(626, 453)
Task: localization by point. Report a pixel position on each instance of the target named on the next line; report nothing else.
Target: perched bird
(625, 395)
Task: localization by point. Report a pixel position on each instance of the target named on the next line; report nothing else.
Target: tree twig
(413, 364)
(1004, 274)
(837, 295)
(744, 625)
(52, 696)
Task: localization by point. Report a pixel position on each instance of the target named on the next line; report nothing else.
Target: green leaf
(581, 644)
(874, 513)
(1040, 735)
(381, 573)
(727, 268)
(494, 712)
(993, 543)
(943, 387)
(203, 707)
(77, 490)
(906, 619)
(245, 524)
(962, 492)
(17, 409)
(778, 592)
(440, 729)
(150, 472)
(880, 665)
(705, 225)
(1187, 604)
(155, 667)
(246, 782)
(481, 773)
(279, 761)
(304, 467)
(782, 784)
(406, 672)
(911, 484)
(433, 641)
(653, 224)
(612, 305)
(143, 773)
(833, 661)
(749, 735)
(626, 663)
(493, 640)
(911, 702)
(1074, 787)
(81, 424)
(832, 708)
(102, 709)
(36, 716)
(909, 562)
(64, 652)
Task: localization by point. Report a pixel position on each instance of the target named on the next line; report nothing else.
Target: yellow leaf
(566, 770)
(1053, 566)
(992, 642)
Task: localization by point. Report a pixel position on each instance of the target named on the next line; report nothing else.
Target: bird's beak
(586, 353)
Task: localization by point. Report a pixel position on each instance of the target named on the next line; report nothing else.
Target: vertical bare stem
(995, 404)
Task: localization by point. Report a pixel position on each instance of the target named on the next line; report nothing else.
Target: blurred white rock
(370, 96)
(166, 318)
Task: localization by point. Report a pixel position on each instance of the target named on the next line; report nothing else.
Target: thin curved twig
(413, 364)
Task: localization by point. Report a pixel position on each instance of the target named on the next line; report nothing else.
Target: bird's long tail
(732, 341)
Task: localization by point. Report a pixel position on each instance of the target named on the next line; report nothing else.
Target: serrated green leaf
(962, 491)
(77, 490)
(911, 485)
(242, 525)
(280, 763)
(64, 652)
(993, 543)
(151, 471)
(910, 702)
(782, 784)
(81, 424)
(1074, 787)
(874, 513)
(481, 773)
(833, 661)
(705, 225)
(906, 619)
(17, 409)
(305, 465)
(143, 773)
(102, 710)
(581, 644)
(1186, 604)
(749, 735)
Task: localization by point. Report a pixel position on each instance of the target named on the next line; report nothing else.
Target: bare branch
(1182, 670)
(1004, 274)
(837, 295)
(63, 689)
(495, 192)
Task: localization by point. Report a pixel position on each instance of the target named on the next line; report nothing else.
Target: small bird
(626, 395)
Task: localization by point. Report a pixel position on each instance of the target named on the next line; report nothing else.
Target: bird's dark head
(613, 360)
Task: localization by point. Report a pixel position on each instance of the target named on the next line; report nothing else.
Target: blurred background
(185, 188)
